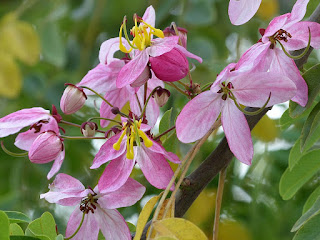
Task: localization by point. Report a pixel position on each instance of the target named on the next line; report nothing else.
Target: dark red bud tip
(115, 110)
(55, 114)
(262, 31)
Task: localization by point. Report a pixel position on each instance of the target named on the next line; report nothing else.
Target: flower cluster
(265, 75)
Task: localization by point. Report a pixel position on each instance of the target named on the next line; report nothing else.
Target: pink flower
(241, 11)
(73, 99)
(123, 155)
(292, 34)
(99, 209)
(249, 89)
(41, 140)
(143, 48)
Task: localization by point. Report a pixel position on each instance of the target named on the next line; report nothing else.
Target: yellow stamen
(130, 152)
(116, 145)
(147, 142)
(121, 46)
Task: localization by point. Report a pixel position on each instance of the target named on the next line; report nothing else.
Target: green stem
(179, 89)
(77, 125)
(81, 138)
(164, 133)
(107, 119)
(147, 101)
(12, 153)
(105, 100)
(138, 102)
(77, 228)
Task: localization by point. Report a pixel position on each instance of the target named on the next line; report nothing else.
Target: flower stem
(147, 101)
(222, 178)
(77, 125)
(179, 89)
(105, 100)
(164, 133)
(77, 228)
(12, 153)
(145, 93)
(138, 102)
(81, 138)
(107, 119)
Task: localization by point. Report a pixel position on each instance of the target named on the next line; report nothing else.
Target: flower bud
(111, 132)
(115, 110)
(161, 96)
(88, 129)
(169, 31)
(171, 66)
(143, 78)
(45, 148)
(73, 99)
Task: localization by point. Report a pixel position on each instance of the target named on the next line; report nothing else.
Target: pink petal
(300, 35)
(56, 165)
(127, 195)
(298, 11)
(132, 70)
(108, 49)
(162, 45)
(14, 122)
(156, 147)
(115, 174)
(89, 229)
(117, 98)
(253, 89)
(276, 24)
(280, 63)
(241, 11)
(112, 224)
(102, 78)
(107, 152)
(226, 73)
(149, 16)
(188, 54)
(197, 117)
(154, 166)
(237, 132)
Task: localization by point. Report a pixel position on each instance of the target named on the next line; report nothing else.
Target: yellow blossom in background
(268, 9)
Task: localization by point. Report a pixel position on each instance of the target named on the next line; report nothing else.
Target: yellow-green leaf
(179, 228)
(10, 77)
(16, 230)
(20, 39)
(144, 215)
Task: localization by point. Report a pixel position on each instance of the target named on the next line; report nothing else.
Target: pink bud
(88, 129)
(171, 66)
(73, 99)
(143, 78)
(161, 96)
(169, 31)
(45, 148)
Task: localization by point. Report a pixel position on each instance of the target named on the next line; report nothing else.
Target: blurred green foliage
(70, 34)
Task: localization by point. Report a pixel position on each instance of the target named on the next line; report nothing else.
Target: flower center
(278, 36)
(134, 135)
(37, 126)
(142, 35)
(225, 90)
(88, 203)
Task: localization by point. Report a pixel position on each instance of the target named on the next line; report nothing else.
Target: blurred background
(44, 44)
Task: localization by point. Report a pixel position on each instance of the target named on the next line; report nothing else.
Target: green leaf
(292, 180)
(314, 210)
(165, 122)
(312, 79)
(17, 217)
(311, 129)
(170, 143)
(310, 231)
(311, 200)
(4, 226)
(23, 238)
(131, 226)
(295, 154)
(15, 229)
(60, 237)
(43, 227)
(53, 48)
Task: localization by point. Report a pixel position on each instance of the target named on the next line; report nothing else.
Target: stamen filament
(12, 153)
(116, 145)
(147, 142)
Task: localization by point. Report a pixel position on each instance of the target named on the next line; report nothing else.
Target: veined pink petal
(115, 174)
(112, 224)
(237, 132)
(156, 147)
(132, 70)
(102, 78)
(108, 49)
(127, 195)
(300, 35)
(162, 45)
(149, 16)
(56, 164)
(188, 54)
(253, 89)
(45, 148)
(154, 166)
(298, 11)
(117, 98)
(276, 24)
(14, 122)
(226, 73)
(241, 11)
(72, 100)
(89, 229)
(280, 63)
(197, 117)
(107, 152)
